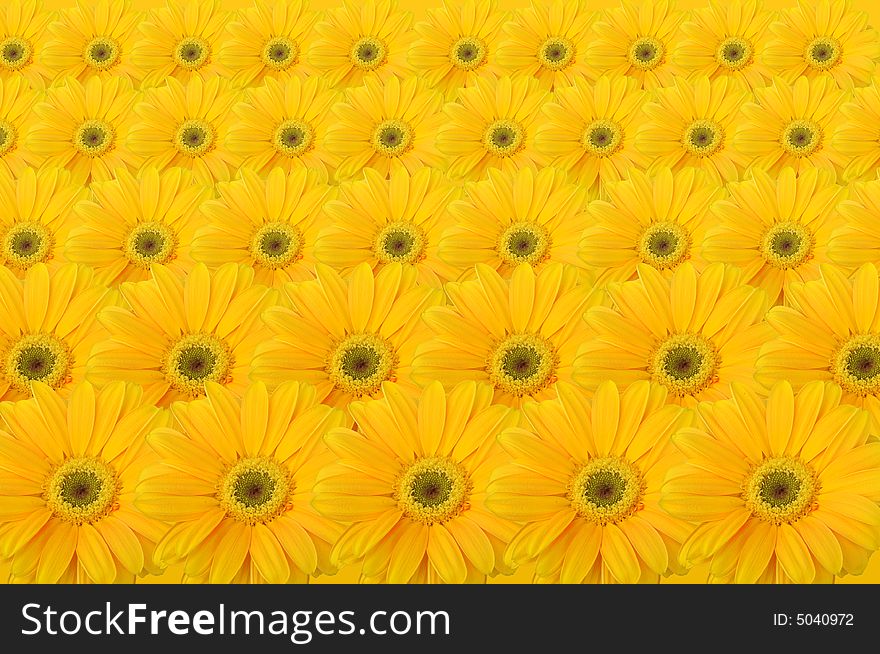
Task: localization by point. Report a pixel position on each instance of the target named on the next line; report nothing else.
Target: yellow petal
(780, 417)
(619, 555)
(81, 417)
(821, 542)
(254, 417)
(647, 543)
(445, 555)
(230, 554)
(581, 553)
(57, 553)
(794, 556)
(432, 417)
(94, 555)
(473, 543)
(606, 417)
(297, 543)
(756, 553)
(122, 542)
(268, 556)
(408, 553)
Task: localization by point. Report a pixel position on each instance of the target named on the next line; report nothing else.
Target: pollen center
(523, 364)
(801, 138)
(401, 241)
(101, 53)
(602, 138)
(192, 52)
(15, 53)
(194, 359)
(8, 135)
(368, 53)
(293, 138)
(360, 363)
(468, 53)
(685, 363)
(780, 489)
(856, 365)
(703, 138)
(606, 490)
(664, 245)
(556, 53)
(276, 245)
(27, 243)
(37, 357)
(255, 490)
(823, 53)
(504, 138)
(392, 138)
(646, 53)
(280, 53)
(93, 138)
(194, 138)
(787, 245)
(524, 242)
(82, 490)
(432, 490)
(734, 53)
(149, 243)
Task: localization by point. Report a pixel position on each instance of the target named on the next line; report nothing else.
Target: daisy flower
(857, 137)
(856, 241)
(23, 35)
(17, 100)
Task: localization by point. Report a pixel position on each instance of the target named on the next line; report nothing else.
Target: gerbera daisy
(520, 335)
(585, 480)
(269, 224)
(235, 484)
(824, 38)
(362, 40)
(68, 469)
(386, 125)
(659, 221)
(48, 327)
(412, 481)
(791, 125)
(382, 221)
(94, 39)
(775, 229)
(269, 41)
(785, 490)
(513, 218)
(589, 131)
(134, 222)
(183, 332)
(858, 138)
(181, 40)
(857, 240)
(83, 127)
(726, 40)
(35, 217)
(692, 124)
(283, 124)
(492, 125)
(547, 41)
(636, 39)
(829, 331)
(17, 100)
(693, 333)
(186, 126)
(346, 336)
(23, 35)
(457, 44)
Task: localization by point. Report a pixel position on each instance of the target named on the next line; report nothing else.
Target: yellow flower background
(464, 291)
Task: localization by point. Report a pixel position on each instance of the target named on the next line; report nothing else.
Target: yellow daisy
(35, 217)
(658, 221)
(269, 40)
(235, 484)
(693, 333)
(692, 124)
(857, 241)
(180, 333)
(585, 480)
(186, 126)
(829, 331)
(382, 221)
(547, 41)
(269, 224)
(48, 327)
(791, 125)
(23, 35)
(823, 38)
(17, 100)
(457, 44)
(346, 336)
(68, 470)
(726, 40)
(359, 41)
(519, 335)
(589, 130)
(412, 483)
(776, 230)
(283, 124)
(181, 40)
(388, 125)
(94, 40)
(83, 127)
(134, 222)
(513, 218)
(857, 137)
(636, 39)
(492, 125)
(784, 490)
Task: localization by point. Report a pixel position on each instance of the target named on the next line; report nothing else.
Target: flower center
(27, 243)
(255, 490)
(685, 363)
(360, 363)
(280, 53)
(703, 138)
(93, 138)
(602, 138)
(194, 359)
(293, 138)
(194, 138)
(664, 245)
(433, 489)
(192, 52)
(368, 53)
(101, 53)
(823, 53)
(276, 245)
(7, 137)
(787, 245)
(392, 138)
(523, 364)
(856, 365)
(150, 243)
(468, 53)
(504, 138)
(556, 53)
(401, 241)
(734, 53)
(15, 53)
(524, 242)
(801, 138)
(646, 53)
(37, 357)
(82, 490)
(606, 490)
(781, 489)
